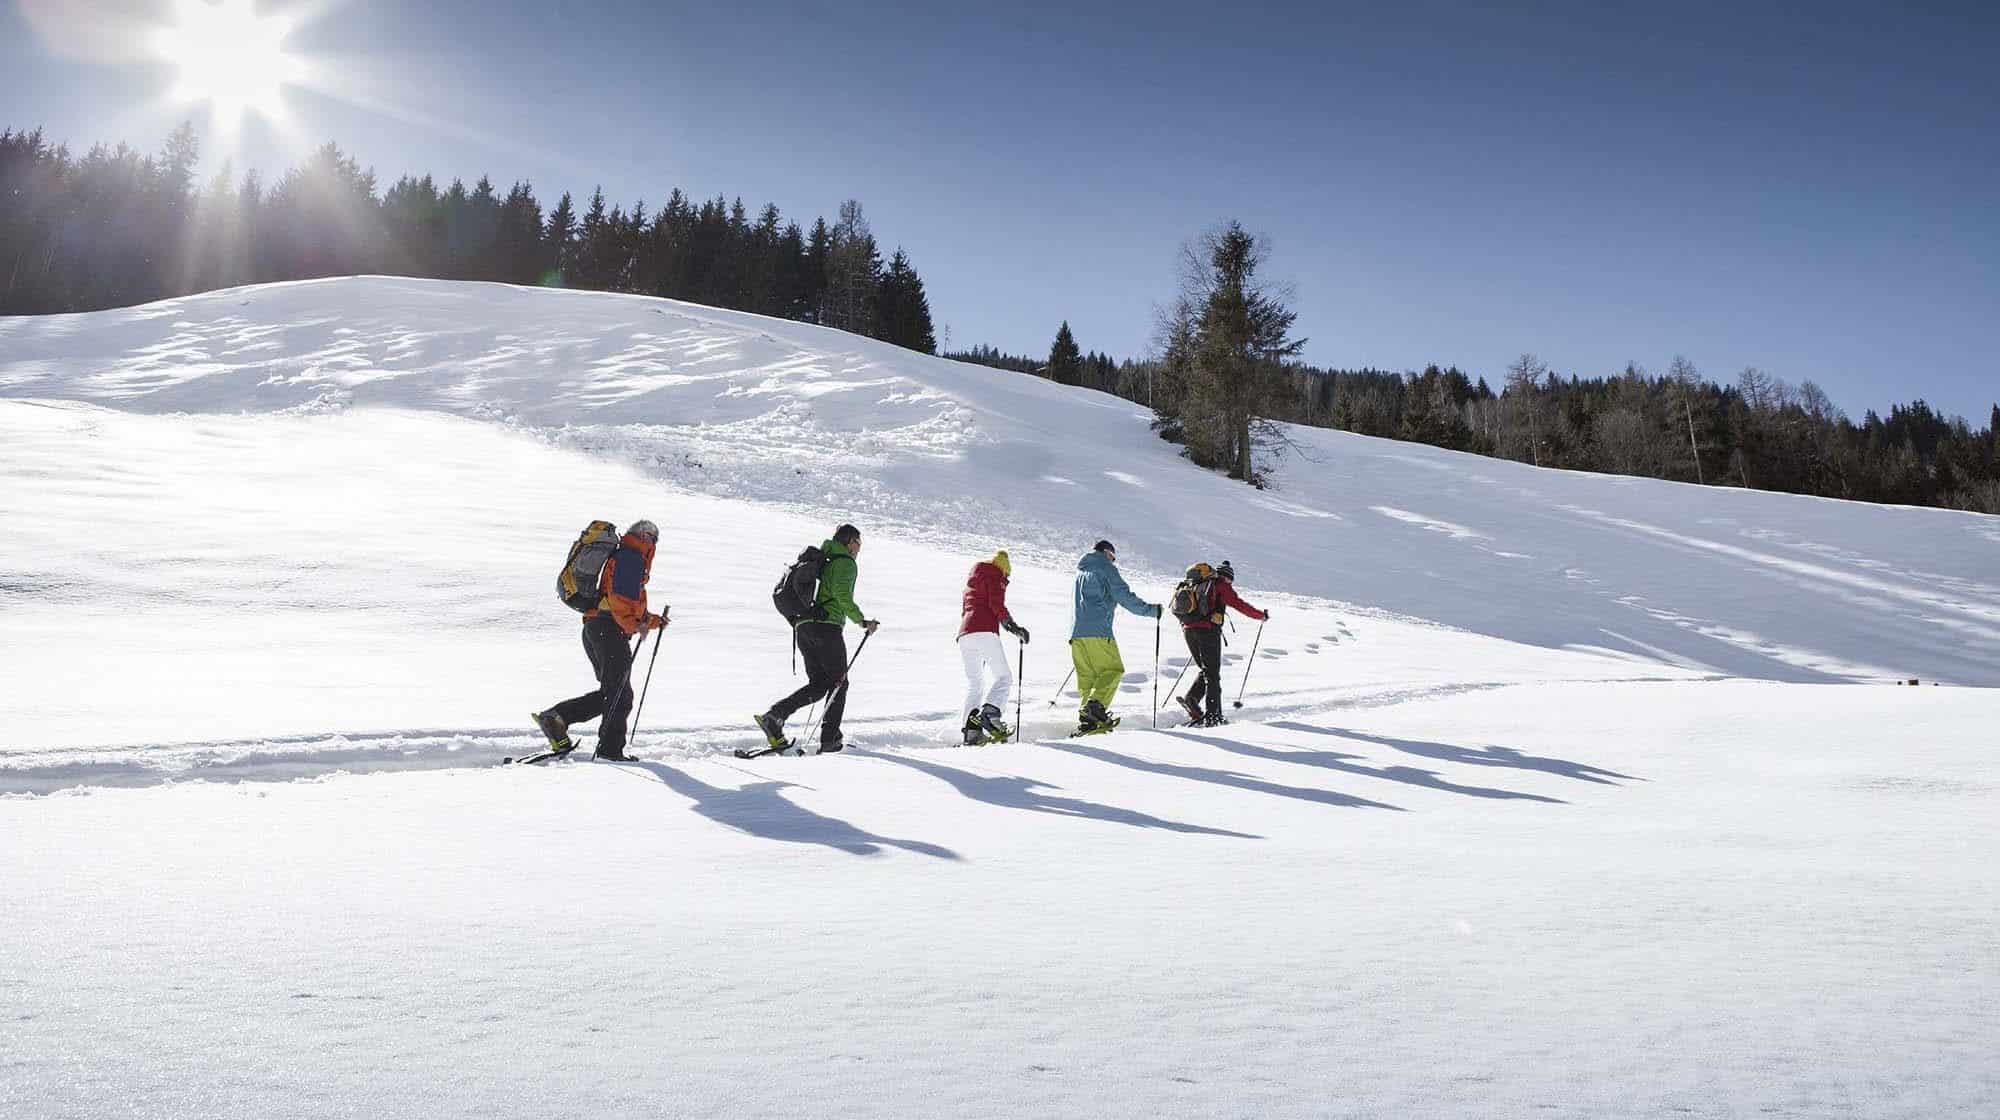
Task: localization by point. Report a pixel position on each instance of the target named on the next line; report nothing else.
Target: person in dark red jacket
(988, 683)
(1204, 640)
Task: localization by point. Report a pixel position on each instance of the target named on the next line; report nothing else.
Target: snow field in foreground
(1464, 906)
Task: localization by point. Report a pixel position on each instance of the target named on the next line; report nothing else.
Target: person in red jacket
(982, 615)
(607, 632)
(1204, 640)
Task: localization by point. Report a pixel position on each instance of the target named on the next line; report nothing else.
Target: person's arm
(837, 586)
(1124, 596)
(1231, 599)
(996, 599)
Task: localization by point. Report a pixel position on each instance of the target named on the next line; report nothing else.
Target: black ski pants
(1205, 645)
(611, 659)
(824, 651)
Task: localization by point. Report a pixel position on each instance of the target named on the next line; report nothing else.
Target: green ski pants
(1098, 670)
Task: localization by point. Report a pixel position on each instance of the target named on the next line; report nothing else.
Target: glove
(655, 622)
(1159, 611)
(1016, 629)
(870, 625)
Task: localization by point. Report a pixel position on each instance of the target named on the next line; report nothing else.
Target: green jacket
(836, 586)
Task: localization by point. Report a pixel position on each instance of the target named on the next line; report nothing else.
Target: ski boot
(989, 722)
(555, 730)
(972, 733)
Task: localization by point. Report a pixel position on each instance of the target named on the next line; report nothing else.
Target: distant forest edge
(117, 227)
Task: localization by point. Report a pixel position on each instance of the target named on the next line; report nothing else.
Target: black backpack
(797, 593)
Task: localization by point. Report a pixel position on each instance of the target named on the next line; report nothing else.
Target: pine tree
(902, 311)
(1065, 360)
(558, 257)
(1244, 332)
(853, 269)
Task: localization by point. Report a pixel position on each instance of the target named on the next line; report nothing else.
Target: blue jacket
(1099, 591)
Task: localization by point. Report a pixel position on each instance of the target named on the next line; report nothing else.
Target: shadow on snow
(761, 809)
(1011, 792)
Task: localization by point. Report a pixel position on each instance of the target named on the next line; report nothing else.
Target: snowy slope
(1533, 806)
(740, 406)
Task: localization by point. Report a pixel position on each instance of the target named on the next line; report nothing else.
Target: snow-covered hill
(1540, 801)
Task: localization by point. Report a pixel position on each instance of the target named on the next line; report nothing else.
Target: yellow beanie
(1001, 562)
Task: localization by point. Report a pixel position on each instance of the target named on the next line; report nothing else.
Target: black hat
(1226, 571)
(1105, 546)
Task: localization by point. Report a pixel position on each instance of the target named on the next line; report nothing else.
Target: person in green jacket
(1093, 644)
(822, 645)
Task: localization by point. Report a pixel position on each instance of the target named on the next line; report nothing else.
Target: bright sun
(230, 57)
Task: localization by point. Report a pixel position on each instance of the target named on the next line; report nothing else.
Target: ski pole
(1156, 670)
(632, 736)
(1252, 664)
(1063, 685)
(1020, 686)
(838, 686)
(1172, 692)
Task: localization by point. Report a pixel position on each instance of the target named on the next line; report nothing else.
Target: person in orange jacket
(607, 632)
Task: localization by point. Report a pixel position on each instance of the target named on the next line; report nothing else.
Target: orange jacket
(623, 585)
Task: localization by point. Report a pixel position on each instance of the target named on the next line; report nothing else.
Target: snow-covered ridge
(831, 425)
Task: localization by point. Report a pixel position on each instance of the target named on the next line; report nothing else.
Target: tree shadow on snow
(1012, 792)
(1334, 760)
(1474, 756)
(761, 810)
(1228, 778)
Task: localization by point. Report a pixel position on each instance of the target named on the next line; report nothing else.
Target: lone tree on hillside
(1223, 345)
(1065, 359)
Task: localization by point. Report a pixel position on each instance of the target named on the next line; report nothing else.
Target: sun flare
(230, 57)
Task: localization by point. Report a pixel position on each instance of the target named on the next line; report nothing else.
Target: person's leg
(1192, 701)
(590, 705)
(1079, 658)
(834, 668)
(614, 670)
(973, 656)
(811, 643)
(1099, 670)
(1210, 656)
(1002, 689)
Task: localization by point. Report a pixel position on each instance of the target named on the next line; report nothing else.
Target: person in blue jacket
(1093, 644)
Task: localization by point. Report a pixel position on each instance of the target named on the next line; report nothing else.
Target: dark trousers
(1205, 644)
(611, 659)
(824, 651)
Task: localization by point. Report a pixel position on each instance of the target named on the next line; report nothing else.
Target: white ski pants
(985, 657)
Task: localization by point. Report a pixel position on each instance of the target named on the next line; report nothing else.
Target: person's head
(644, 530)
(1106, 550)
(1005, 565)
(849, 538)
(1227, 571)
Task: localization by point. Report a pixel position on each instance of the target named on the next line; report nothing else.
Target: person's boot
(773, 729)
(1188, 705)
(612, 754)
(972, 733)
(989, 722)
(555, 731)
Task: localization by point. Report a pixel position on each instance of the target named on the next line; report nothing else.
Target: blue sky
(1811, 188)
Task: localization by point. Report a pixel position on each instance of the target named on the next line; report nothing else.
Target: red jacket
(1225, 596)
(984, 607)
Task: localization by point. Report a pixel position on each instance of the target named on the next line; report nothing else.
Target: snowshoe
(1102, 727)
(1215, 720)
(832, 746)
(989, 722)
